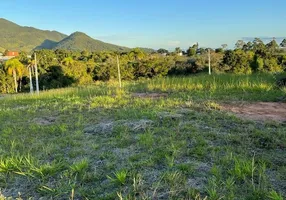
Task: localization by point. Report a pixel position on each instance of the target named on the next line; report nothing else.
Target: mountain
(23, 38)
(79, 41)
(15, 37)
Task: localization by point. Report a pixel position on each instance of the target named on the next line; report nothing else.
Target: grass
(179, 147)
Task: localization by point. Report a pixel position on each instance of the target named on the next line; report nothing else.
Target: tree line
(62, 68)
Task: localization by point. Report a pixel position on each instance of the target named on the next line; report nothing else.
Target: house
(8, 55)
(11, 53)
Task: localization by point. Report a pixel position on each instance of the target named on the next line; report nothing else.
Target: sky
(154, 23)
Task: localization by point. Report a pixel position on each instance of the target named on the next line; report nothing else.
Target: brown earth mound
(265, 111)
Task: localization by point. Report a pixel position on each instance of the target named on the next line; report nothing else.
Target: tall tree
(224, 46)
(178, 50)
(259, 47)
(283, 43)
(272, 45)
(239, 44)
(14, 67)
(191, 51)
(195, 46)
(248, 46)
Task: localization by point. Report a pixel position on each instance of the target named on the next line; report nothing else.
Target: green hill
(15, 37)
(79, 41)
(22, 38)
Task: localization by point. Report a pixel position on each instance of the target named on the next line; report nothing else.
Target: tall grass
(217, 86)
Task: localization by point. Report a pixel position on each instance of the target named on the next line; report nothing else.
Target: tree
(14, 67)
(238, 61)
(224, 46)
(191, 51)
(162, 51)
(219, 50)
(68, 61)
(196, 46)
(23, 57)
(178, 50)
(259, 48)
(6, 82)
(257, 41)
(283, 43)
(239, 44)
(247, 47)
(272, 46)
(258, 44)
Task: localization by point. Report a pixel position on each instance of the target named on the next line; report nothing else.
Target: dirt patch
(149, 95)
(44, 120)
(262, 111)
(169, 115)
(107, 127)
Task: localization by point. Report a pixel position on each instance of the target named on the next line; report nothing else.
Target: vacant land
(167, 138)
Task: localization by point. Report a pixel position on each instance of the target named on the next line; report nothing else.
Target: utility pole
(36, 73)
(209, 52)
(119, 75)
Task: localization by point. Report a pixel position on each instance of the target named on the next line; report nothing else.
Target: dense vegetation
(62, 68)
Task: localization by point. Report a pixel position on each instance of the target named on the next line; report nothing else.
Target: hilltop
(22, 38)
(79, 41)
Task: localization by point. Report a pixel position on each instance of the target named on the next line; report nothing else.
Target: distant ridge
(79, 41)
(23, 38)
(15, 37)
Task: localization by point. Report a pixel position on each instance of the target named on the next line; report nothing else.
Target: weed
(119, 177)
(79, 167)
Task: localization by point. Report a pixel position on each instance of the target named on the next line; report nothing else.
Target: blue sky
(154, 23)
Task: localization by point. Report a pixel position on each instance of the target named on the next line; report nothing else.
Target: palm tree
(14, 67)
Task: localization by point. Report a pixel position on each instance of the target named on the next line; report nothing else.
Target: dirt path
(265, 111)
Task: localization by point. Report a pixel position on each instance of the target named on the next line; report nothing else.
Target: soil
(45, 120)
(261, 111)
(150, 95)
(107, 127)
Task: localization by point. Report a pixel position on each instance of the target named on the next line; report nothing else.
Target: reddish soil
(265, 111)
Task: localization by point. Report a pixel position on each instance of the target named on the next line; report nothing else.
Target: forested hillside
(80, 41)
(15, 37)
(22, 38)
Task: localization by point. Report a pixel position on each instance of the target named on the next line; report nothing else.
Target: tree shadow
(47, 44)
(55, 78)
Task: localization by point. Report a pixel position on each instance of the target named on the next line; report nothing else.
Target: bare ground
(261, 111)
(44, 120)
(150, 95)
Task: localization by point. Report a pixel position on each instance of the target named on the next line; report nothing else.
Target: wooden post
(36, 73)
(119, 75)
(209, 52)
